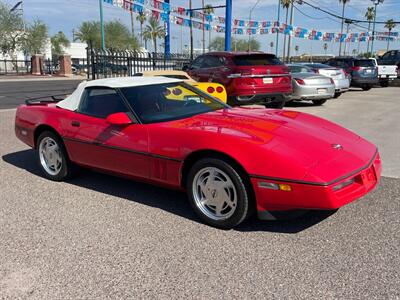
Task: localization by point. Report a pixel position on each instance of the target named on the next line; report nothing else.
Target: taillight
(210, 90)
(300, 81)
(219, 89)
(316, 71)
(177, 92)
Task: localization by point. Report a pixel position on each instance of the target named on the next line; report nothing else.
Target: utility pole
(290, 35)
(204, 31)
(103, 42)
(341, 30)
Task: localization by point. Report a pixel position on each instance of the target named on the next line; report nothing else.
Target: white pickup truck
(386, 73)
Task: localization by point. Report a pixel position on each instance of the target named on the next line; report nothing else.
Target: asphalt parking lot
(98, 236)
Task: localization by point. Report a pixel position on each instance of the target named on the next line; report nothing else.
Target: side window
(196, 64)
(387, 55)
(101, 102)
(332, 62)
(212, 62)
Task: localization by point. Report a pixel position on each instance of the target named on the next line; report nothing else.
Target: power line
(342, 18)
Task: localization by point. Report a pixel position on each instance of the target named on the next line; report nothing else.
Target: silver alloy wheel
(214, 193)
(50, 156)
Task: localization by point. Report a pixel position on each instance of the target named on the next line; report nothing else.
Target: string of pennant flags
(165, 12)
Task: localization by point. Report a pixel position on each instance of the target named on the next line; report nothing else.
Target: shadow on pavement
(172, 201)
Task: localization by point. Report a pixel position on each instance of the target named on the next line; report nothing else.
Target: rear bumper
(316, 195)
(342, 85)
(246, 99)
(361, 81)
(313, 92)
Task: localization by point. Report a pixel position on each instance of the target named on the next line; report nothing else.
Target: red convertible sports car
(231, 161)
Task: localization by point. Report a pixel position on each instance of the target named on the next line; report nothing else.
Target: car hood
(284, 144)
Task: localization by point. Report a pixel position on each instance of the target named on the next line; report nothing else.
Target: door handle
(75, 123)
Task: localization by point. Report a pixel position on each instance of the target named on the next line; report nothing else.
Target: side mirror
(186, 68)
(120, 118)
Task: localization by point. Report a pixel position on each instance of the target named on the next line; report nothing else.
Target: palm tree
(369, 15)
(341, 30)
(296, 48)
(153, 32)
(141, 17)
(208, 9)
(389, 25)
(325, 48)
(285, 4)
(89, 32)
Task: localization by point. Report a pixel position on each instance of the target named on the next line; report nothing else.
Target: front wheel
(319, 102)
(52, 157)
(218, 194)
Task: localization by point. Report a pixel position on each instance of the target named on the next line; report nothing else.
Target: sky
(66, 15)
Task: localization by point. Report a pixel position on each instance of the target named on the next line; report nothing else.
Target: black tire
(366, 87)
(275, 104)
(319, 102)
(243, 206)
(337, 95)
(384, 83)
(66, 168)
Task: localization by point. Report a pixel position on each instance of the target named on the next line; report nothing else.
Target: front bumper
(316, 195)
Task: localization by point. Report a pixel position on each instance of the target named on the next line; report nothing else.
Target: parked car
(386, 73)
(362, 71)
(249, 78)
(309, 86)
(214, 89)
(341, 80)
(231, 161)
(391, 57)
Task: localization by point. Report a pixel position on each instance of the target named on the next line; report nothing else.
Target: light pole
(277, 32)
(376, 2)
(228, 24)
(103, 43)
(348, 22)
(251, 10)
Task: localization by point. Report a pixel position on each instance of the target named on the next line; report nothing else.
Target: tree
(58, 43)
(369, 15)
(89, 32)
(285, 4)
(389, 25)
(341, 30)
(36, 38)
(325, 48)
(119, 37)
(153, 32)
(218, 44)
(208, 9)
(11, 31)
(296, 48)
(141, 17)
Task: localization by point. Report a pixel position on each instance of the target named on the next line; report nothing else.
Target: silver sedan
(310, 86)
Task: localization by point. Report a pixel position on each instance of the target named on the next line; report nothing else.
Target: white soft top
(73, 100)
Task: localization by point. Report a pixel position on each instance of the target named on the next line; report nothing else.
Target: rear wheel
(275, 104)
(366, 87)
(218, 194)
(319, 102)
(337, 95)
(384, 83)
(52, 157)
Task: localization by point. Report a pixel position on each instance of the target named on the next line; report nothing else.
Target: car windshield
(169, 101)
(256, 60)
(364, 63)
(299, 69)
